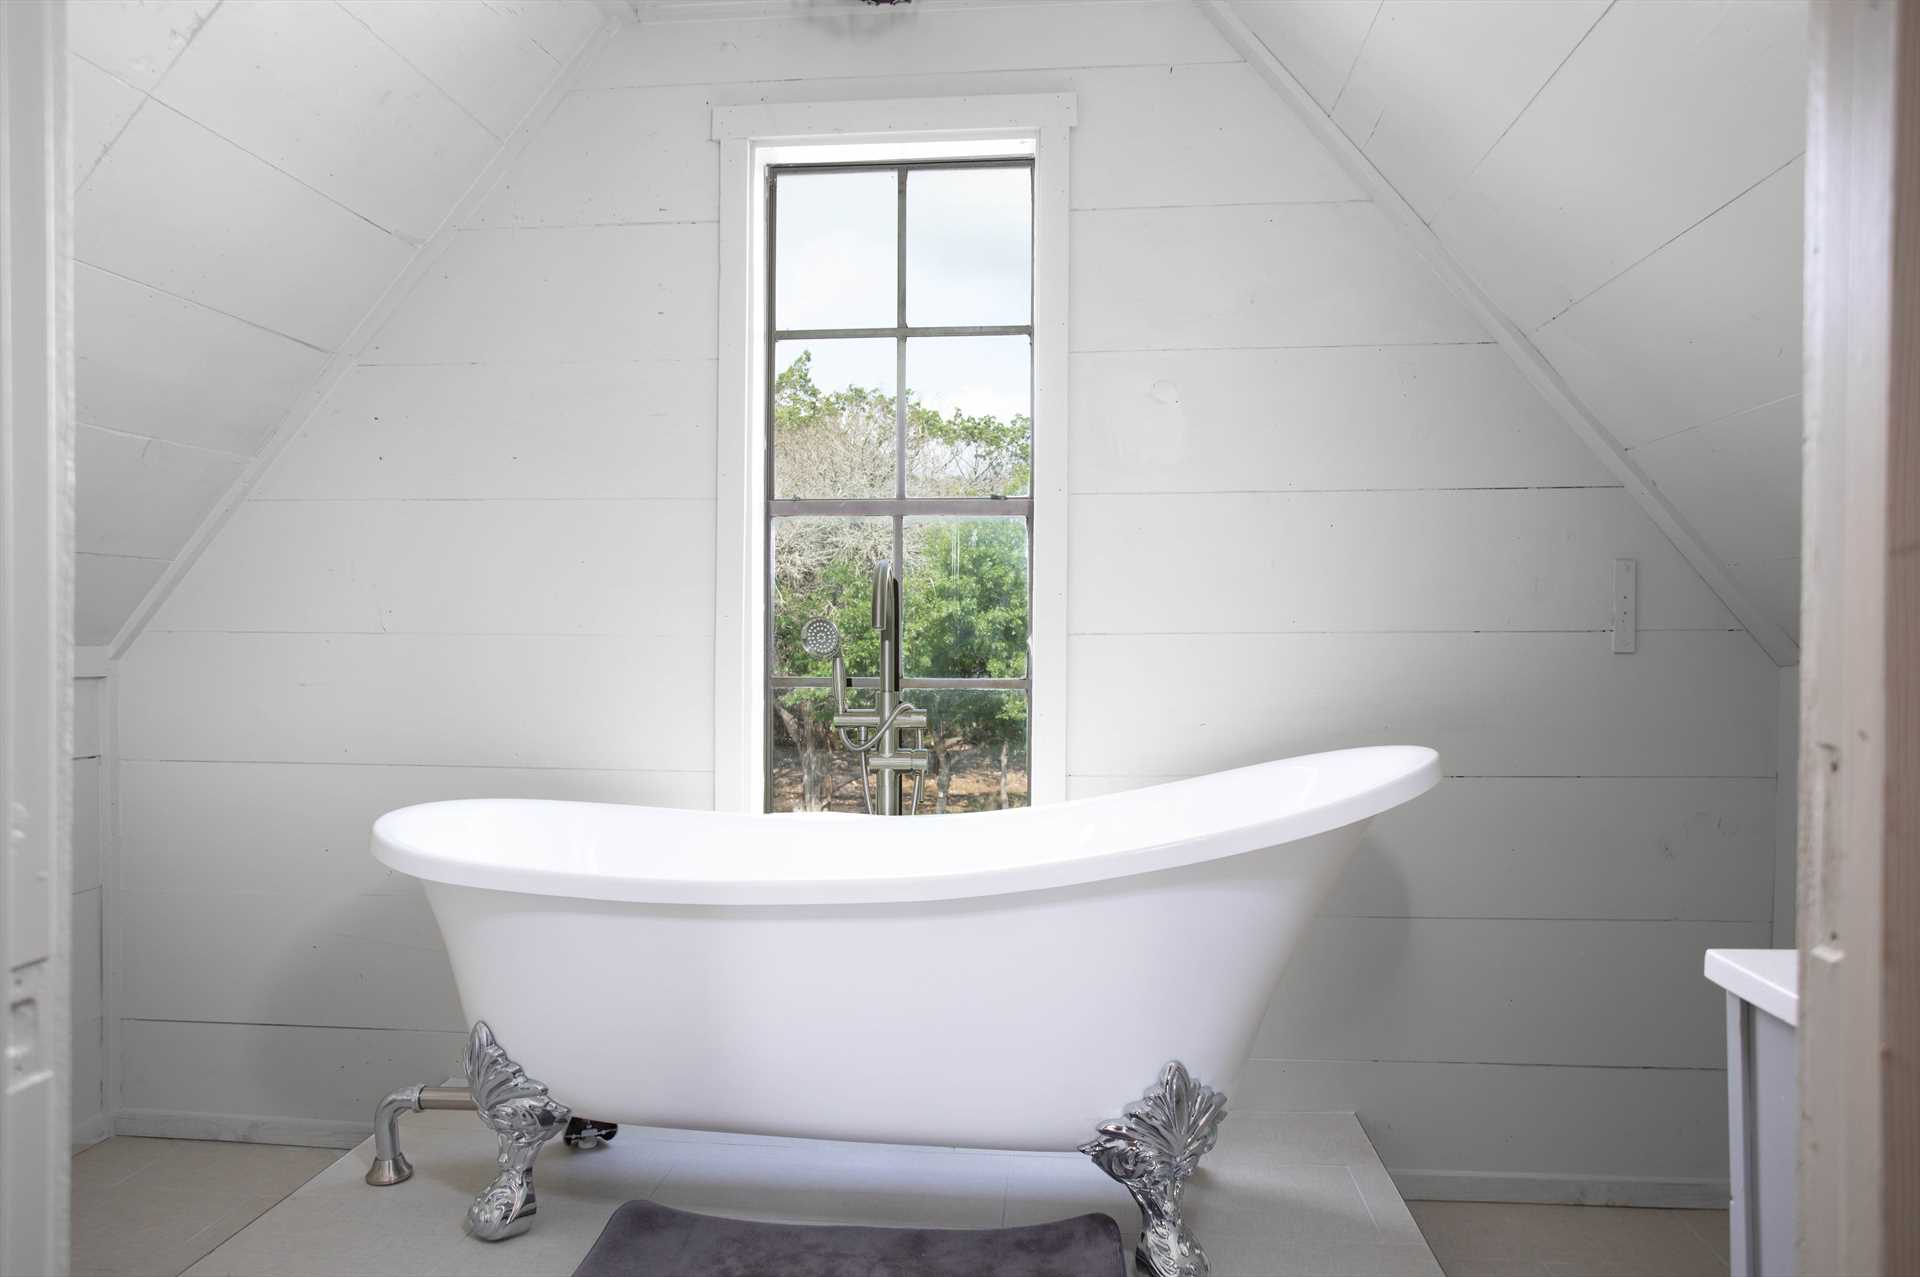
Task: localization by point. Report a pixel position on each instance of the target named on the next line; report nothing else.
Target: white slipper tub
(997, 980)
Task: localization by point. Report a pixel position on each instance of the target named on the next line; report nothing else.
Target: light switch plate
(1625, 606)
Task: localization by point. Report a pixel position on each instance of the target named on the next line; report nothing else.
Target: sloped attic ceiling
(251, 177)
(1623, 179)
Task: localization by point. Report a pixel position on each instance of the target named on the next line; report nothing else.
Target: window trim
(752, 138)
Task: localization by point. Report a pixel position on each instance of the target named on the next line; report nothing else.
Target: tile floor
(151, 1208)
(1291, 1194)
(1490, 1239)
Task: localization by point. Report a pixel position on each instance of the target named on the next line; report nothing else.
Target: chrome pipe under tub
(390, 1165)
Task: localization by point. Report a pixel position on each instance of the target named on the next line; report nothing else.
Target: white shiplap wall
(1313, 506)
(1624, 180)
(251, 176)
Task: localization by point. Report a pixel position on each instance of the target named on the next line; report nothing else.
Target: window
(761, 144)
(899, 426)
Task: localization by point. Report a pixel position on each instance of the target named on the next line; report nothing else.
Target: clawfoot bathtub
(1001, 980)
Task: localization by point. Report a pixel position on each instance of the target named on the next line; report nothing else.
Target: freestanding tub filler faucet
(879, 725)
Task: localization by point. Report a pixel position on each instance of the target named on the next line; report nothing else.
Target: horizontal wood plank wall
(239, 210)
(1312, 510)
(1624, 182)
(1313, 507)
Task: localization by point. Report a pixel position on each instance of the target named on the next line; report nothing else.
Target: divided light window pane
(981, 738)
(969, 246)
(964, 598)
(823, 567)
(835, 257)
(809, 769)
(834, 417)
(970, 416)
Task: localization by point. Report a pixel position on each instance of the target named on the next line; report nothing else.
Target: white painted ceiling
(251, 177)
(1624, 180)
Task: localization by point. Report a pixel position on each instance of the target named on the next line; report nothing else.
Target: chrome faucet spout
(886, 620)
(883, 613)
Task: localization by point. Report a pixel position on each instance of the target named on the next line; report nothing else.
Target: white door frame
(36, 632)
(1859, 889)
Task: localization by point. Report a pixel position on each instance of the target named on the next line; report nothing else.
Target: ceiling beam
(1534, 366)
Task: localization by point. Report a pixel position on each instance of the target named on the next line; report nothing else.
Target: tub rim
(820, 859)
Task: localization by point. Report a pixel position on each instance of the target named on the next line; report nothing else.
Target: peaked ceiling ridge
(1508, 335)
(343, 360)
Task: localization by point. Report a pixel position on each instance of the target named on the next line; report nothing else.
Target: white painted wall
(251, 176)
(1624, 180)
(484, 567)
(90, 797)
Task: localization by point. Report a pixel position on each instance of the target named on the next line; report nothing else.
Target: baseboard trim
(309, 1132)
(89, 1131)
(1567, 1190)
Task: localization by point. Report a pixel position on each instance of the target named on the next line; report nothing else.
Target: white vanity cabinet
(1763, 1007)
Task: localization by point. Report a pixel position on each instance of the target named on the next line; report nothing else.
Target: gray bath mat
(645, 1239)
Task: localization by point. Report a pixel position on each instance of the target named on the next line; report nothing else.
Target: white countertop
(1767, 978)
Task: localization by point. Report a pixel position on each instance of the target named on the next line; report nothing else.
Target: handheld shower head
(820, 637)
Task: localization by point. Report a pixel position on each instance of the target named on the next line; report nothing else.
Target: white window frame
(753, 137)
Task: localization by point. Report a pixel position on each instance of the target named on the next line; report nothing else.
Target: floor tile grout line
(229, 1205)
(1365, 1205)
(660, 1180)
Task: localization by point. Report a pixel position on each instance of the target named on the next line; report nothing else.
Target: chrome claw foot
(518, 1110)
(1151, 1151)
